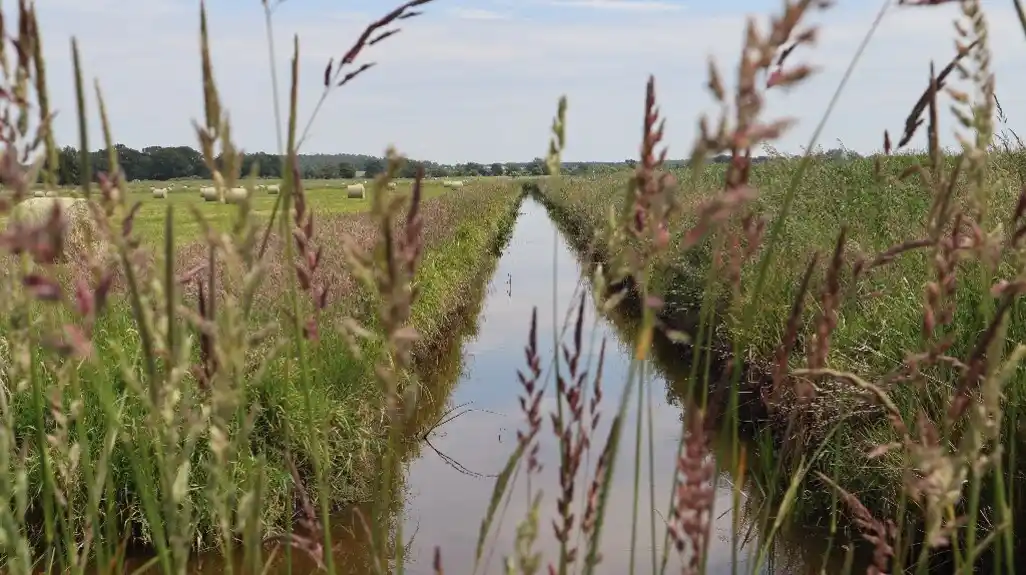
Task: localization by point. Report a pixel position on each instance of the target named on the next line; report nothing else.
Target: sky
(479, 80)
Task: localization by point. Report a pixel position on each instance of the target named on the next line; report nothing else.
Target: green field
(325, 197)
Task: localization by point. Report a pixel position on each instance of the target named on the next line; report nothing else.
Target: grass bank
(464, 232)
(879, 323)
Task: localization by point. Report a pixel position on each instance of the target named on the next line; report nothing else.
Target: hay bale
(39, 194)
(391, 185)
(52, 194)
(75, 217)
(209, 193)
(356, 191)
(236, 195)
(33, 211)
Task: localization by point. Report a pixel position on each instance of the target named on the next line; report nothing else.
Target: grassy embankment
(464, 231)
(877, 327)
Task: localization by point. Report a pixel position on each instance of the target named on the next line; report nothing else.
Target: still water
(447, 505)
(450, 476)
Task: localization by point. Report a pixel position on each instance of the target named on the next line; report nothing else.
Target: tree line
(183, 162)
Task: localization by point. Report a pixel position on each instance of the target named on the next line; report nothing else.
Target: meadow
(877, 324)
(325, 196)
(181, 375)
(342, 389)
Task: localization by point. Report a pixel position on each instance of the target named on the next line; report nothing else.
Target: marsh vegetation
(711, 367)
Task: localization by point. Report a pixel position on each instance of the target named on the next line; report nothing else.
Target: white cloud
(633, 5)
(478, 14)
(485, 90)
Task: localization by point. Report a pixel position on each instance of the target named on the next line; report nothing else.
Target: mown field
(463, 232)
(879, 318)
(325, 197)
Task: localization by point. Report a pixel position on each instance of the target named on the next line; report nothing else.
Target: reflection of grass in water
(437, 373)
(795, 548)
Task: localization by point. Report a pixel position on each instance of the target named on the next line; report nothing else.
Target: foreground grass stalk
(179, 434)
(272, 63)
(772, 240)
(651, 480)
(290, 187)
(85, 163)
(639, 415)
(43, 450)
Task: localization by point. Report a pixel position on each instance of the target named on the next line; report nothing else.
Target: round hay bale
(356, 191)
(236, 195)
(51, 194)
(76, 220)
(39, 194)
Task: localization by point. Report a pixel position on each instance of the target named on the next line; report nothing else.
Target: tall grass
(214, 409)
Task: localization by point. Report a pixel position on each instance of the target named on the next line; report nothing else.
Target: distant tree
(165, 163)
(373, 167)
(409, 169)
(68, 167)
(581, 169)
(268, 165)
(631, 162)
(537, 167)
(328, 172)
(346, 170)
(135, 164)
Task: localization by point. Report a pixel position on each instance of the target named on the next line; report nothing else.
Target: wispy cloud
(478, 14)
(624, 5)
(458, 90)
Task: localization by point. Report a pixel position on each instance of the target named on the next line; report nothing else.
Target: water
(449, 480)
(445, 505)
(448, 505)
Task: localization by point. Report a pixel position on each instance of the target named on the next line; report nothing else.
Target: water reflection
(449, 482)
(448, 506)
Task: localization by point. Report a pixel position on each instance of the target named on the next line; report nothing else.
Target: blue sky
(478, 80)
